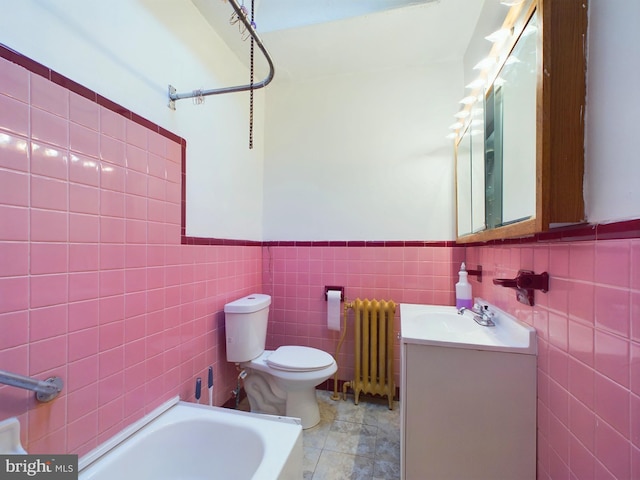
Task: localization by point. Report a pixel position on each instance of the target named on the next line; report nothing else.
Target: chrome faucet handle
(484, 316)
(477, 308)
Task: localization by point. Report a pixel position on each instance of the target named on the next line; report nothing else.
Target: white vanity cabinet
(467, 412)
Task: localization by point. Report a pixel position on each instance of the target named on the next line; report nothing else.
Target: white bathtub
(187, 441)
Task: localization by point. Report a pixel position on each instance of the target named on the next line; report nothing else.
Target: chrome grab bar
(46, 390)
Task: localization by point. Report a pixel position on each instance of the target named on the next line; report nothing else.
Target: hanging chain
(251, 83)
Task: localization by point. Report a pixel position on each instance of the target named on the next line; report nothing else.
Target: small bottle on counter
(464, 297)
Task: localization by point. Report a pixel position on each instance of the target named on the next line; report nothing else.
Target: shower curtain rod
(173, 96)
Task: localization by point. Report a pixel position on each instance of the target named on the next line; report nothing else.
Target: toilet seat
(294, 358)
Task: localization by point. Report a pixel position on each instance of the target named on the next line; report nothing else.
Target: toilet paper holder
(327, 288)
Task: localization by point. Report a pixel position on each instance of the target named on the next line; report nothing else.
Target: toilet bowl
(281, 381)
(293, 387)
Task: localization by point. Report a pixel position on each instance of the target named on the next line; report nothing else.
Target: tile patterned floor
(354, 442)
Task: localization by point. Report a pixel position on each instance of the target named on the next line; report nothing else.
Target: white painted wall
(355, 157)
(361, 157)
(129, 51)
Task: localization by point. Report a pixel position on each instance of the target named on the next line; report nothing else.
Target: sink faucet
(482, 315)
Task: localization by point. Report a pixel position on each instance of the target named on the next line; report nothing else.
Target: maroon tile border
(183, 203)
(573, 233)
(618, 230)
(576, 233)
(31, 65)
(357, 243)
(583, 232)
(53, 76)
(220, 241)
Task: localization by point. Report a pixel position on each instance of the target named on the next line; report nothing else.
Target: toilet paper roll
(333, 309)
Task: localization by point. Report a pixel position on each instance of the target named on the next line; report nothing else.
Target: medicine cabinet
(520, 157)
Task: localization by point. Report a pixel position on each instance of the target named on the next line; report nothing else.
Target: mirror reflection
(478, 220)
(510, 135)
(496, 155)
(464, 190)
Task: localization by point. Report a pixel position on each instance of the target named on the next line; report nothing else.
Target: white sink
(443, 326)
(468, 395)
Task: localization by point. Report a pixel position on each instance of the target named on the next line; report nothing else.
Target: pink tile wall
(589, 351)
(588, 329)
(295, 276)
(95, 286)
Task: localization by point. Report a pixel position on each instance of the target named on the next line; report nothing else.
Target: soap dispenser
(464, 298)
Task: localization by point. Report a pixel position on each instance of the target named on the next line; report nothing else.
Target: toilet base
(303, 404)
(265, 396)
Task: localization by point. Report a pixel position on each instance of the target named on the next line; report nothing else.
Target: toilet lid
(296, 358)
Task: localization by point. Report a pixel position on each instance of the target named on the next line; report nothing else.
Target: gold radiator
(374, 341)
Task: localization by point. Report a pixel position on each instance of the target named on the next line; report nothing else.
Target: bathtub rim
(125, 434)
(108, 445)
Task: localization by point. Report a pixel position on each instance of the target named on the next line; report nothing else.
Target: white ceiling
(315, 38)
(284, 14)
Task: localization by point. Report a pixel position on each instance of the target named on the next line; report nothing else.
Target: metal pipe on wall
(46, 390)
(173, 95)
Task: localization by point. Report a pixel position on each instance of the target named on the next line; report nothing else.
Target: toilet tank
(245, 323)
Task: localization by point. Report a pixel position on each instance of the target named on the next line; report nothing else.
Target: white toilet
(278, 382)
